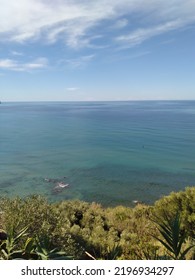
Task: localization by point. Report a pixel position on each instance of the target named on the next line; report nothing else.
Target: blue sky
(69, 50)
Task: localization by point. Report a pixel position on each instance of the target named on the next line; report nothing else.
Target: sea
(113, 153)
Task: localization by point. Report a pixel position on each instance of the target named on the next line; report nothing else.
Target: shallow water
(109, 152)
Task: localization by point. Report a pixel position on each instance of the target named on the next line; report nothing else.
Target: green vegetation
(173, 236)
(32, 228)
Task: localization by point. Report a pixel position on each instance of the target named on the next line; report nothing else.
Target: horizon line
(125, 100)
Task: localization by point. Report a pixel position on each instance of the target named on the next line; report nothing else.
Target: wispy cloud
(142, 34)
(121, 23)
(38, 63)
(72, 89)
(74, 21)
(15, 53)
(79, 62)
(120, 56)
(167, 42)
(14, 65)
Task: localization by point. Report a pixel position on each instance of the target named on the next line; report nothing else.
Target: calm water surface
(108, 152)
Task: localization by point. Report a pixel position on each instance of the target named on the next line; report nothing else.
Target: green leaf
(182, 256)
(21, 233)
(29, 245)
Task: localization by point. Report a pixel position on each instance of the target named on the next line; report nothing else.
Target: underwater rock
(136, 202)
(60, 186)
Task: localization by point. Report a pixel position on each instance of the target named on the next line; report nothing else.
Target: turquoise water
(109, 152)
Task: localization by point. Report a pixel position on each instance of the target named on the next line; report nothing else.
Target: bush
(87, 230)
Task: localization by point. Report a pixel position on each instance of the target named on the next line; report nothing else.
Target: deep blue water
(109, 152)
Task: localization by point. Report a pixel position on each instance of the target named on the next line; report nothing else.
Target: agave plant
(9, 244)
(45, 251)
(34, 248)
(173, 236)
(112, 253)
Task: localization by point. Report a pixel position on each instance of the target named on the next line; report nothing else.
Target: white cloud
(14, 65)
(73, 20)
(7, 64)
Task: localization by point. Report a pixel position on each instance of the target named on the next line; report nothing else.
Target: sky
(96, 50)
